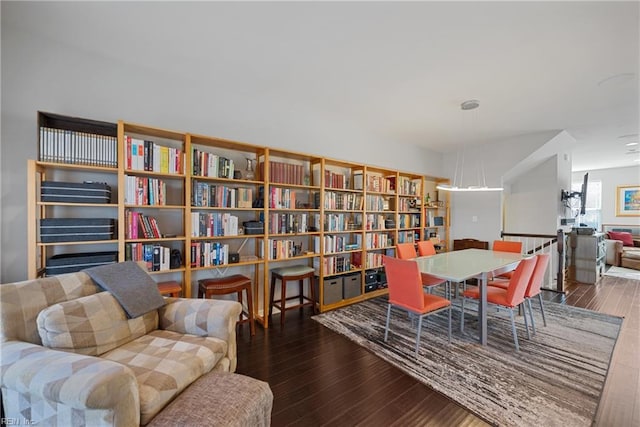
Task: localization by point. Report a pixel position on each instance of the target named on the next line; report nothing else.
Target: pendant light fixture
(471, 104)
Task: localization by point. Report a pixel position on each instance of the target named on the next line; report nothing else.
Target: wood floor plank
(320, 378)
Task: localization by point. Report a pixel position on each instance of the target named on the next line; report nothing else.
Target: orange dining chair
(408, 251)
(507, 246)
(533, 288)
(426, 248)
(509, 298)
(406, 292)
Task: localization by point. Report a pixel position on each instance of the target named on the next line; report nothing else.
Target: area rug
(625, 273)
(555, 380)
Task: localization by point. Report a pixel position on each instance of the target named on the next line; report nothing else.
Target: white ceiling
(399, 70)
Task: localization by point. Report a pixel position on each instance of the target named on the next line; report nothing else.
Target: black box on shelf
(370, 277)
(370, 287)
(53, 230)
(75, 192)
(253, 227)
(351, 285)
(382, 278)
(70, 263)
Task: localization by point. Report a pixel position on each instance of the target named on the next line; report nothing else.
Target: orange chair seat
(431, 303)
(506, 275)
(494, 295)
(503, 284)
(429, 280)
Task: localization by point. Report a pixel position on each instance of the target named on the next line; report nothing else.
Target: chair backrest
(520, 280)
(404, 283)
(406, 250)
(426, 248)
(507, 246)
(542, 261)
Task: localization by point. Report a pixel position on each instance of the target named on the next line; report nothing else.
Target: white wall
(40, 74)
(612, 178)
(479, 215)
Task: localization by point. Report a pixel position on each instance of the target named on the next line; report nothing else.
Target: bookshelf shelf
(325, 205)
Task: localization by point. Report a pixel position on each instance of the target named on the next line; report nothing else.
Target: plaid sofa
(70, 356)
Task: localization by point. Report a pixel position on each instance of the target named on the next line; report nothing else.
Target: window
(593, 211)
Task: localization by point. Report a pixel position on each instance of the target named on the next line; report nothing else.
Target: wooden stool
(227, 285)
(171, 288)
(285, 274)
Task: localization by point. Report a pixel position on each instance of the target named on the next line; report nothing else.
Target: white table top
(457, 266)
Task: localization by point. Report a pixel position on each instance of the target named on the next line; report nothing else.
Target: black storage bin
(253, 227)
(75, 192)
(54, 230)
(351, 285)
(70, 263)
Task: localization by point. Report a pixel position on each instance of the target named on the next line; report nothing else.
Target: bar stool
(228, 285)
(285, 274)
(171, 288)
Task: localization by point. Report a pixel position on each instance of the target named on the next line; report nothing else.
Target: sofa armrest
(203, 317)
(613, 251)
(70, 379)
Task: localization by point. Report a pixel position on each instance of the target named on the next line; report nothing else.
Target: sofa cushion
(625, 237)
(91, 325)
(21, 302)
(136, 291)
(165, 363)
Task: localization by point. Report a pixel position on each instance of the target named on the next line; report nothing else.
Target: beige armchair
(621, 255)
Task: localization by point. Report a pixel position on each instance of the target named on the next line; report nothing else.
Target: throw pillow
(134, 289)
(625, 237)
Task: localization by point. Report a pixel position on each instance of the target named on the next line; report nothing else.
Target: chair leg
(526, 322)
(544, 319)
(513, 328)
(283, 300)
(418, 334)
(449, 331)
(386, 326)
(272, 296)
(462, 315)
(533, 322)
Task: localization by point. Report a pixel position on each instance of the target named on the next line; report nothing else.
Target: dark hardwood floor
(321, 378)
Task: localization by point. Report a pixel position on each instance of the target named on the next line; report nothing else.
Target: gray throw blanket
(134, 289)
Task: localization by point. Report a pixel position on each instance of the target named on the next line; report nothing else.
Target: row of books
(378, 240)
(280, 249)
(212, 165)
(343, 201)
(408, 186)
(336, 264)
(213, 224)
(209, 254)
(144, 191)
(408, 220)
(156, 257)
(332, 179)
(286, 198)
(375, 222)
(144, 155)
(338, 243)
(77, 148)
(286, 173)
(289, 223)
(434, 220)
(139, 226)
(204, 194)
(342, 222)
(379, 183)
(408, 237)
(377, 203)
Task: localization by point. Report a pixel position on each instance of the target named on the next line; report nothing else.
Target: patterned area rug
(555, 380)
(625, 273)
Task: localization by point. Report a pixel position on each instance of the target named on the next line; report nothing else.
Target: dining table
(459, 266)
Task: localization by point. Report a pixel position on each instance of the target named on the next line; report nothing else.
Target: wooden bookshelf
(338, 216)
